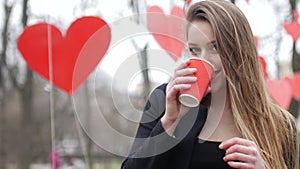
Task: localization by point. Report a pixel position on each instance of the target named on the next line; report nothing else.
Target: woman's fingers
(242, 153)
(241, 149)
(236, 140)
(178, 84)
(182, 65)
(184, 80)
(242, 165)
(236, 156)
(173, 91)
(184, 72)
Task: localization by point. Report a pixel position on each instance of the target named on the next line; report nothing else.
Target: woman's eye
(215, 47)
(194, 50)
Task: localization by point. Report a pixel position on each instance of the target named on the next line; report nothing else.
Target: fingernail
(221, 145)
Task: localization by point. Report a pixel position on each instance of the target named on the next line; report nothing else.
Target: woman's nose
(204, 55)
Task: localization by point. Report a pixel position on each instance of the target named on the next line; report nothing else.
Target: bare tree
(10, 81)
(142, 53)
(3, 90)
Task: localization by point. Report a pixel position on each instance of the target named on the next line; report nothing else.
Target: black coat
(153, 147)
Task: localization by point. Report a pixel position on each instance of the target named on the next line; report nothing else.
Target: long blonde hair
(256, 116)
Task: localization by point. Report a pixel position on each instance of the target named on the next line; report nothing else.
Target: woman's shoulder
(156, 100)
(159, 93)
(162, 87)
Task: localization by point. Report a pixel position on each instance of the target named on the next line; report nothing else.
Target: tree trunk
(88, 119)
(295, 59)
(3, 155)
(144, 67)
(295, 105)
(142, 53)
(3, 90)
(293, 4)
(26, 94)
(26, 133)
(24, 13)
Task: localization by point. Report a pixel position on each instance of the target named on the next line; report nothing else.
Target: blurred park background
(41, 124)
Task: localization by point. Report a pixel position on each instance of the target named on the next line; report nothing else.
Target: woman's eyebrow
(213, 42)
(192, 44)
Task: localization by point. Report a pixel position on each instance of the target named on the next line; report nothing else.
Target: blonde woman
(237, 125)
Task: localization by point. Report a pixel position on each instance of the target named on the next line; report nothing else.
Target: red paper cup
(193, 96)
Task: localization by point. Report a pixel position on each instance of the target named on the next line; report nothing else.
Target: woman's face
(202, 44)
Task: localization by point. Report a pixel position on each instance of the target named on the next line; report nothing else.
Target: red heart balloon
(73, 56)
(293, 28)
(280, 91)
(168, 30)
(295, 85)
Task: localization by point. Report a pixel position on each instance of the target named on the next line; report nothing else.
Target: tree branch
(24, 13)
(7, 15)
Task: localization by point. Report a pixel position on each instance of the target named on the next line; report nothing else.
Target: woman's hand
(242, 154)
(182, 80)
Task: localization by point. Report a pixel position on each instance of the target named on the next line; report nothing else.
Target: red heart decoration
(295, 85)
(256, 41)
(263, 64)
(187, 1)
(293, 28)
(74, 56)
(280, 91)
(168, 30)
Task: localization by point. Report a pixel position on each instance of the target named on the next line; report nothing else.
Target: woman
(237, 125)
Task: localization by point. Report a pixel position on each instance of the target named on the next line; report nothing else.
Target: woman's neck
(220, 123)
